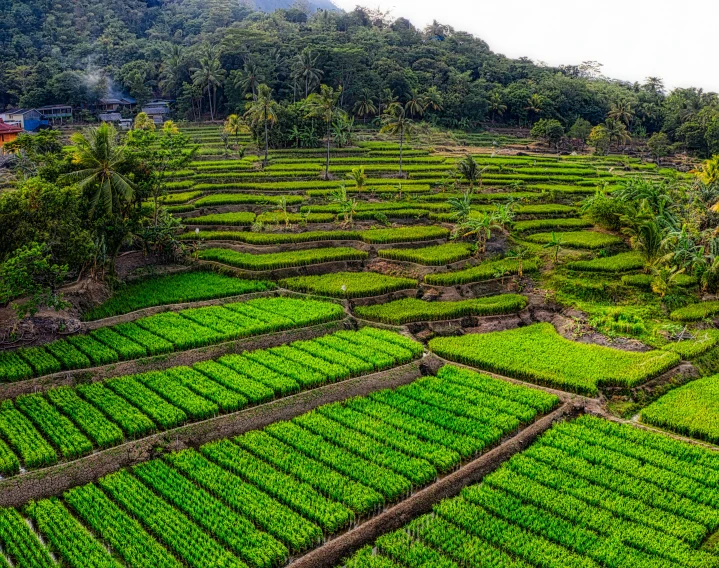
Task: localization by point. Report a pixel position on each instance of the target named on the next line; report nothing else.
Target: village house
(56, 114)
(8, 133)
(28, 119)
(158, 110)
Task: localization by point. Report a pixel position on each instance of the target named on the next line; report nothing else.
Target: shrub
(410, 310)
(348, 284)
(537, 353)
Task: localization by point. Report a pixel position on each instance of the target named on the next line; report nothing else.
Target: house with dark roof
(56, 114)
(112, 104)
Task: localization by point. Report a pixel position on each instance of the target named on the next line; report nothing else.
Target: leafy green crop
(430, 256)
(348, 284)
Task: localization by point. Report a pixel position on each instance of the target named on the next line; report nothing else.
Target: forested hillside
(216, 52)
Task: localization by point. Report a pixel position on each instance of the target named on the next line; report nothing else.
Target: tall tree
(250, 78)
(209, 75)
(365, 106)
(396, 122)
(263, 111)
(324, 105)
(305, 68)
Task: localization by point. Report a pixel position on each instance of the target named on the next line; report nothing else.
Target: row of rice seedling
(543, 224)
(260, 497)
(229, 219)
(372, 236)
(486, 270)
(577, 239)
(398, 187)
(67, 423)
(587, 493)
(691, 410)
(279, 217)
(703, 341)
(247, 199)
(173, 289)
(696, 312)
(165, 332)
(622, 262)
(408, 310)
(277, 260)
(430, 256)
(537, 353)
(484, 197)
(362, 160)
(348, 284)
(645, 280)
(308, 185)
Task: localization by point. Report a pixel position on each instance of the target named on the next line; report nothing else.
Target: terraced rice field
(329, 364)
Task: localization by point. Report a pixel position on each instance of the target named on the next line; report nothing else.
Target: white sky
(634, 39)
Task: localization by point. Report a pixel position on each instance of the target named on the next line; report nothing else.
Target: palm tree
(460, 207)
(534, 104)
(396, 123)
(414, 105)
(233, 126)
(469, 169)
(324, 105)
(358, 176)
(209, 75)
(616, 131)
(305, 68)
(644, 231)
(621, 111)
(263, 110)
(249, 79)
(386, 98)
(101, 157)
(496, 105)
(364, 106)
(432, 99)
(172, 70)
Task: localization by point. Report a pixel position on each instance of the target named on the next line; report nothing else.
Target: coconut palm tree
(396, 122)
(496, 105)
(622, 111)
(535, 103)
(233, 127)
(386, 98)
(305, 69)
(617, 131)
(414, 105)
(101, 157)
(250, 78)
(480, 227)
(263, 110)
(365, 106)
(172, 70)
(432, 99)
(324, 105)
(209, 75)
